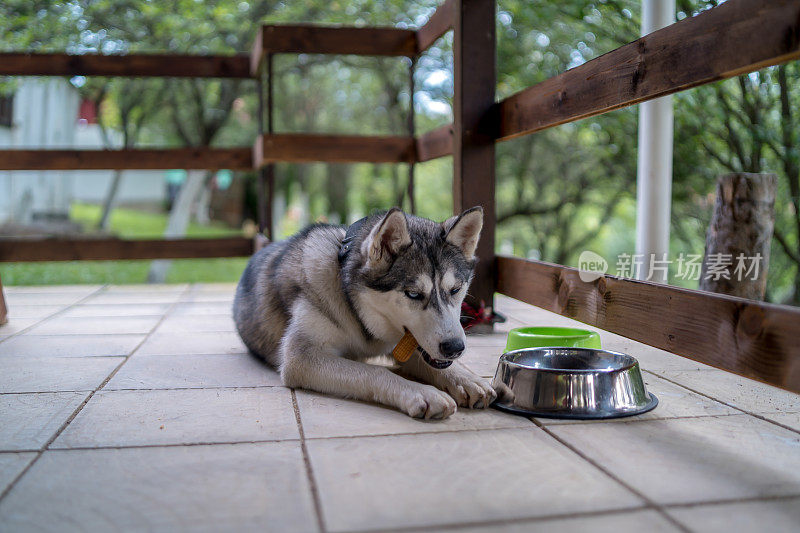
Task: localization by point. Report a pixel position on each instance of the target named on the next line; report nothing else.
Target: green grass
(127, 223)
(133, 224)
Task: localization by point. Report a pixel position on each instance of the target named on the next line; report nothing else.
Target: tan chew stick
(405, 347)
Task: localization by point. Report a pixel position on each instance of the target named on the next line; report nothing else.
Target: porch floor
(137, 408)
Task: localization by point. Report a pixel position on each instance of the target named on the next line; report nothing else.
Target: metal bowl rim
(505, 361)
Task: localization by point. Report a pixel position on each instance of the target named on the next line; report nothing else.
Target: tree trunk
(178, 221)
(739, 234)
(202, 212)
(338, 178)
(3, 308)
(111, 199)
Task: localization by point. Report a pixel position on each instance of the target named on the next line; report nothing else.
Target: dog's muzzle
(435, 363)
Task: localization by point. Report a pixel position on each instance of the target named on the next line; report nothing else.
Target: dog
(320, 304)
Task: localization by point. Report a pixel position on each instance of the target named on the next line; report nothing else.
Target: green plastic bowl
(547, 336)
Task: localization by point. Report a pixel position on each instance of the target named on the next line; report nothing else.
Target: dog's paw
(427, 402)
(468, 389)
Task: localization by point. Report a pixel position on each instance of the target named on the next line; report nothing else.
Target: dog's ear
(387, 238)
(464, 230)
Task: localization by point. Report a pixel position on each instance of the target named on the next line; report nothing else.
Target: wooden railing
(746, 337)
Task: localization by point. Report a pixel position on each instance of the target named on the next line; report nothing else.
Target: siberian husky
(318, 305)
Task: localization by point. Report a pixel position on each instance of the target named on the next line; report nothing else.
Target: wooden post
(265, 188)
(412, 207)
(739, 235)
(3, 308)
(271, 166)
(473, 145)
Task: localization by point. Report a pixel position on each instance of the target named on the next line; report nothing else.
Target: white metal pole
(654, 176)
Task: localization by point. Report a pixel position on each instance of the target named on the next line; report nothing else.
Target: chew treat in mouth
(408, 345)
(402, 352)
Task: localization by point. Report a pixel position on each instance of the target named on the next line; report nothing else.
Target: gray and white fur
(318, 318)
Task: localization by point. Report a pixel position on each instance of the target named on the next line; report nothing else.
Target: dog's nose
(451, 348)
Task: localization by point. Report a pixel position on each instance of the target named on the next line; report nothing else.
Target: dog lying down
(318, 305)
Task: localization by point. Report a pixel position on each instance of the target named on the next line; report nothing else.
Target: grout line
(78, 409)
(711, 503)
(630, 419)
(650, 503)
(509, 521)
(741, 410)
(309, 471)
(228, 387)
(53, 315)
(166, 445)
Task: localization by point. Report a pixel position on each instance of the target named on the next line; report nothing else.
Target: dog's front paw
(468, 389)
(427, 402)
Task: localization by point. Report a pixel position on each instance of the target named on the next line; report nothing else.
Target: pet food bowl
(578, 383)
(544, 336)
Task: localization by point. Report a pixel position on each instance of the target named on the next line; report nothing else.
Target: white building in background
(46, 115)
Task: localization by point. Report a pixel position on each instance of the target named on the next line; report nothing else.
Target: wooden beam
(342, 40)
(140, 159)
(473, 151)
(436, 143)
(57, 249)
(307, 148)
(438, 24)
(128, 65)
(734, 38)
(749, 338)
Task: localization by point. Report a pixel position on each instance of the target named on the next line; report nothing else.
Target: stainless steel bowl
(581, 383)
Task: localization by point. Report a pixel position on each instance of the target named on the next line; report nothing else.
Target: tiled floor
(137, 408)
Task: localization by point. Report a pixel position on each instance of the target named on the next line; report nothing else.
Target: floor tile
(673, 401)
(109, 310)
(69, 345)
(192, 371)
(49, 289)
(324, 416)
(150, 288)
(33, 311)
(203, 308)
(213, 287)
(482, 359)
(241, 487)
(134, 418)
(497, 340)
(193, 343)
(15, 325)
(11, 464)
(692, 460)
(134, 297)
(775, 516)
(738, 391)
(54, 374)
(28, 421)
(48, 299)
(791, 420)
(95, 325)
(434, 479)
(190, 324)
(616, 522)
(209, 296)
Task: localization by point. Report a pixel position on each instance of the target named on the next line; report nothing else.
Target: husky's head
(415, 273)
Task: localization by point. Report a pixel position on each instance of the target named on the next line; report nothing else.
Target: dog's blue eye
(455, 290)
(413, 295)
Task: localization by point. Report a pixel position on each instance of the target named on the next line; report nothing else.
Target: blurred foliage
(559, 191)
